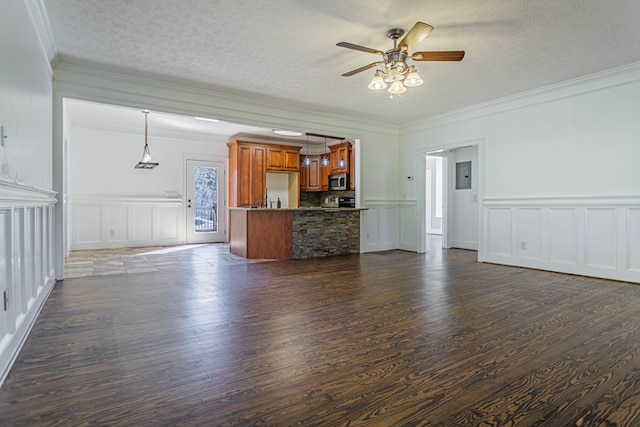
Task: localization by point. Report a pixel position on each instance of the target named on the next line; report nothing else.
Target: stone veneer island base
(294, 233)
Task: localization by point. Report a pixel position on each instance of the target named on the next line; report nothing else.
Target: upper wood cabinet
(352, 166)
(247, 174)
(281, 158)
(248, 165)
(314, 177)
(340, 156)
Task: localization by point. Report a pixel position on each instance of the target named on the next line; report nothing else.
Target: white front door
(206, 201)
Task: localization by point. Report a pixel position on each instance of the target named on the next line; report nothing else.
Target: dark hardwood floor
(380, 339)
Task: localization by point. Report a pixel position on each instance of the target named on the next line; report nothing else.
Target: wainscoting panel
(561, 233)
(408, 218)
(633, 244)
(379, 225)
(26, 264)
(499, 232)
(600, 237)
(108, 222)
(597, 237)
(529, 222)
(142, 223)
(118, 221)
(87, 220)
(168, 225)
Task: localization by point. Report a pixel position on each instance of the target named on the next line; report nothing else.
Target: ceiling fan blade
(361, 69)
(360, 48)
(448, 55)
(416, 34)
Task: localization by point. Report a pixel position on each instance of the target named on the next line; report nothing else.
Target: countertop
(319, 209)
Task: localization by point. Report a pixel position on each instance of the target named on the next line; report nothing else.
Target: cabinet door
(339, 159)
(275, 158)
(258, 175)
(352, 168)
(324, 180)
(291, 159)
(314, 178)
(244, 167)
(304, 175)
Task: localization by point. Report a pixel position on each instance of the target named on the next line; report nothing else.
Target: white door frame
(447, 183)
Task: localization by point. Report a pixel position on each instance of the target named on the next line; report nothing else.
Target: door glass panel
(206, 199)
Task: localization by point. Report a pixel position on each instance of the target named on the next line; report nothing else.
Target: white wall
(577, 140)
(25, 100)
(112, 204)
(277, 185)
(26, 202)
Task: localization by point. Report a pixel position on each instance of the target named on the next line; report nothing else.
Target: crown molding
(40, 19)
(92, 84)
(593, 82)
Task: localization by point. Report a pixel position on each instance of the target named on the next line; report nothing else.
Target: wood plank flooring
(380, 339)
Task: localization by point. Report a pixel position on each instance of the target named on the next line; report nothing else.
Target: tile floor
(103, 262)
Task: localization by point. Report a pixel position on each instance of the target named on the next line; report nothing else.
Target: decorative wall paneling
(379, 225)
(597, 237)
(107, 222)
(26, 264)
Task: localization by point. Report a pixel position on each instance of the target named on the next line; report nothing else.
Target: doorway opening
(450, 213)
(434, 191)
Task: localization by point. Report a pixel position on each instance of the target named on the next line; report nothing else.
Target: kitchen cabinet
(314, 177)
(352, 167)
(283, 158)
(249, 163)
(247, 173)
(339, 156)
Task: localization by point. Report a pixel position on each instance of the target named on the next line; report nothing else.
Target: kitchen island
(294, 233)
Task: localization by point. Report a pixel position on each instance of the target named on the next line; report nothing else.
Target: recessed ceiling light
(206, 119)
(284, 132)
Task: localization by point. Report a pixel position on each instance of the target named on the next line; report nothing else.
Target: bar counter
(294, 233)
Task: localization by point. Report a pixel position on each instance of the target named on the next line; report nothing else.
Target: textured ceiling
(284, 50)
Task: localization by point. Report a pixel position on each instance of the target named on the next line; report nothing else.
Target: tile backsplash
(323, 198)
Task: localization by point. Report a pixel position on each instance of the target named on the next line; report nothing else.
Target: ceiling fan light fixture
(413, 79)
(377, 82)
(394, 73)
(397, 88)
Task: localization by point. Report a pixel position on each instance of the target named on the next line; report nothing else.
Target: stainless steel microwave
(339, 181)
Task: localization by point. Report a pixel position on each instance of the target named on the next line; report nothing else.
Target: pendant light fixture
(307, 159)
(146, 162)
(325, 158)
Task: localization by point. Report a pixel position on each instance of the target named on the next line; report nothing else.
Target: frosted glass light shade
(413, 79)
(397, 88)
(377, 82)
